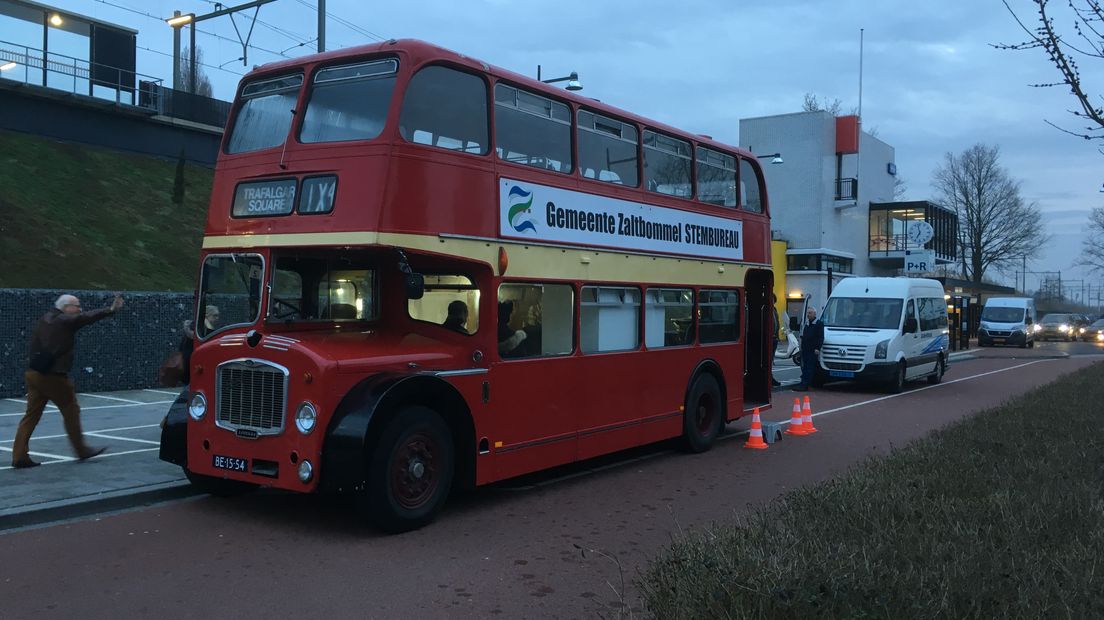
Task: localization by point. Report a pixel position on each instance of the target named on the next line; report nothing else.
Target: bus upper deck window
(349, 102)
(447, 109)
(264, 114)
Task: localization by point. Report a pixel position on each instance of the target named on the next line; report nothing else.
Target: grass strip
(1000, 515)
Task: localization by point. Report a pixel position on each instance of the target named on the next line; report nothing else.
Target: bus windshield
(230, 291)
(869, 312)
(998, 314)
(265, 113)
(309, 287)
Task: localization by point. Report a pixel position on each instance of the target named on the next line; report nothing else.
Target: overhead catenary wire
(345, 22)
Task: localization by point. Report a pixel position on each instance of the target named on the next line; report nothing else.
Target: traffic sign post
(919, 261)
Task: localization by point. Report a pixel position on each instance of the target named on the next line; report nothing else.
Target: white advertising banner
(548, 214)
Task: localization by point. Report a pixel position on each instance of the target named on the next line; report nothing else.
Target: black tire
(219, 487)
(897, 384)
(704, 415)
(410, 471)
(796, 358)
(1031, 344)
(940, 368)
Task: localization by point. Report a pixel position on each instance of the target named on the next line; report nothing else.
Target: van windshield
(869, 312)
(1002, 315)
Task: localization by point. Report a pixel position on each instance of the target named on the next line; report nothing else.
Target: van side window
(933, 314)
(910, 310)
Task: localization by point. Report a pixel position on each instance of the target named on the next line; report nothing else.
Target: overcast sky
(932, 83)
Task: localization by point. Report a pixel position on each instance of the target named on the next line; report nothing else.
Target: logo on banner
(520, 214)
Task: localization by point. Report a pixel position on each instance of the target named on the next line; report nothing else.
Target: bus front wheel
(410, 471)
(704, 414)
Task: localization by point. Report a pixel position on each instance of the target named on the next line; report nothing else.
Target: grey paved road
(512, 551)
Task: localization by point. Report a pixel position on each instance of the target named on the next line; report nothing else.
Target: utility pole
(321, 26)
(176, 53)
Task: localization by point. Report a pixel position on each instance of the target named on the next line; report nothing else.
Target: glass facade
(889, 222)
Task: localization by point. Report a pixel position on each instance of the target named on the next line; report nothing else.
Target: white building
(832, 203)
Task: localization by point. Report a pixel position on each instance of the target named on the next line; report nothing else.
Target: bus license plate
(846, 374)
(230, 462)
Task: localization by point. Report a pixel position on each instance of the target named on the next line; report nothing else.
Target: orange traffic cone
(807, 418)
(755, 438)
(797, 425)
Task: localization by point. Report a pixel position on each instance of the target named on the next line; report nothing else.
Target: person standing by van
(812, 337)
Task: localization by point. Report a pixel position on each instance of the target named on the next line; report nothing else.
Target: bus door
(533, 396)
(758, 339)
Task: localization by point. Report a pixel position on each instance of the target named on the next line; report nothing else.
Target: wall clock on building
(919, 232)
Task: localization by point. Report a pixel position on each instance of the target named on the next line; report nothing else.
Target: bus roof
(422, 52)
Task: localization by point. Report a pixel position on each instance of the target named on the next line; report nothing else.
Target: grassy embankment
(999, 516)
(74, 216)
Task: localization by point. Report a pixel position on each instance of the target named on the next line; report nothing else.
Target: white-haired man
(47, 375)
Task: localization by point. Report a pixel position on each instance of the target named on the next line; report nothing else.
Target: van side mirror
(910, 326)
(793, 324)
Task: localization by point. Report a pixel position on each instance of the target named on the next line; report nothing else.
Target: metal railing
(847, 189)
(77, 76)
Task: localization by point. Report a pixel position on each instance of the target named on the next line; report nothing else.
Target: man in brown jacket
(47, 376)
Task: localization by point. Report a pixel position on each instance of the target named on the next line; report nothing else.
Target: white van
(885, 330)
(1008, 320)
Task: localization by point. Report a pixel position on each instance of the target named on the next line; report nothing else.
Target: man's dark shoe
(801, 388)
(91, 452)
(25, 463)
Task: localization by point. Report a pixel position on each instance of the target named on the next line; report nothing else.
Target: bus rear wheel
(704, 414)
(410, 471)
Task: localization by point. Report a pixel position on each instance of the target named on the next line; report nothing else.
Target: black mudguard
(174, 432)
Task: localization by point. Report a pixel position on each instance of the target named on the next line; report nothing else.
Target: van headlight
(1082, 330)
(881, 349)
(197, 407)
(1100, 335)
(1038, 327)
(1063, 328)
(305, 417)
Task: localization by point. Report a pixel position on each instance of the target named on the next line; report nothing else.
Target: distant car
(1057, 326)
(1079, 324)
(1094, 332)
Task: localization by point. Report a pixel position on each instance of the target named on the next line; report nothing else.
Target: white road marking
(136, 404)
(103, 436)
(95, 458)
(102, 430)
(45, 454)
(162, 392)
(122, 400)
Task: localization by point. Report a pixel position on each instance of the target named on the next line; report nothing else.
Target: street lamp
(776, 158)
(179, 20)
(572, 80)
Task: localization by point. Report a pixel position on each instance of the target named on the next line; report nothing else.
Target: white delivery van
(1008, 320)
(885, 330)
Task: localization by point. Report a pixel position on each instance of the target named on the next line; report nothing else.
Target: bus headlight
(305, 417)
(197, 407)
(880, 350)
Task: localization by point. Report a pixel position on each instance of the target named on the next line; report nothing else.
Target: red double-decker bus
(421, 273)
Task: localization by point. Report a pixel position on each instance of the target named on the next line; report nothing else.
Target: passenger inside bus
(457, 317)
(509, 340)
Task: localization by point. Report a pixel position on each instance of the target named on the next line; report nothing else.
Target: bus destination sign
(264, 198)
(541, 213)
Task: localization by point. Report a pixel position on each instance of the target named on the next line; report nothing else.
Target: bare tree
(203, 83)
(813, 104)
(995, 225)
(1084, 39)
(900, 188)
(1092, 247)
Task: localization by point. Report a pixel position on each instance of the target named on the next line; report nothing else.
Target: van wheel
(410, 472)
(704, 415)
(897, 384)
(940, 368)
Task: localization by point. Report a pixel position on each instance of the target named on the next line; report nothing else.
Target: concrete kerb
(122, 499)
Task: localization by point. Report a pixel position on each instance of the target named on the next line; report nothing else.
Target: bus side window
(544, 314)
(441, 292)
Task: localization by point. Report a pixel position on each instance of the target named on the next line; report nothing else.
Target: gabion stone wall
(120, 352)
